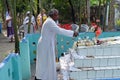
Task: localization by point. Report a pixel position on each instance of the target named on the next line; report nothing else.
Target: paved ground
(5, 46)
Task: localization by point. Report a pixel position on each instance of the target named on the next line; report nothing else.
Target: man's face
(28, 14)
(56, 16)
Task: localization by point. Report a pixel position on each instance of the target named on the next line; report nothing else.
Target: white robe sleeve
(55, 28)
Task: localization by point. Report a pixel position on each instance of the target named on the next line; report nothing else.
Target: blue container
(0, 27)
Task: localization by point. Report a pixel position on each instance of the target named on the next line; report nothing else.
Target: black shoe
(37, 79)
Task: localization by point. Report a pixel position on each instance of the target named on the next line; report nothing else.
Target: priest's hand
(75, 34)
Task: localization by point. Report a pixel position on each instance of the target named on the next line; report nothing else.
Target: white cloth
(8, 18)
(25, 24)
(26, 20)
(33, 20)
(9, 23)
(46, 64)
(84, 28)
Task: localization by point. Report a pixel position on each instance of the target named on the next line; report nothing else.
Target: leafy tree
(12, 6)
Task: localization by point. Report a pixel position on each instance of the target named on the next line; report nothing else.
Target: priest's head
(54, 14)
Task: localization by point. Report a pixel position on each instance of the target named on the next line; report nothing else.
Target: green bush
(118, 22)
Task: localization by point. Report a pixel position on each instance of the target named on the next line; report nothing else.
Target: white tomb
(93, 61)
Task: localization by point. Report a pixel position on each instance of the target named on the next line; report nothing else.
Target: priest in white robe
(46, 63)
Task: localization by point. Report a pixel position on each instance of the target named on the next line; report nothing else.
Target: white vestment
(45, 63)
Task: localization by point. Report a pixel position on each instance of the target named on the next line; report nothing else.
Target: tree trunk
(13, 10)
(112, 13)
(105, 13)
(3, 3)
(72, 11)
(88, 11)
(38, 7)
(99, 11)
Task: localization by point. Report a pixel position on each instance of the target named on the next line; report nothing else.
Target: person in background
(41, 18)
(10, 30)
(97, 31)
(26, 22)
(33, 22)
(84, 26)
(45, 60)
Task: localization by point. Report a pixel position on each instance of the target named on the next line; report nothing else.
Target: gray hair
(52, 12)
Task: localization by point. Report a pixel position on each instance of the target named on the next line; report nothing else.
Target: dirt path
(5, 46)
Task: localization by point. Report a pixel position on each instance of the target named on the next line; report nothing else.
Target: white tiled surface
(108, 50)
(116, 73)
(87, 63)
(91, 74)
(91, 51)
(95, 62)
(108, 73)
(116, 50)
(112, 62)
(99, 73)
(98, 61)
(82, 51)
(118, 61)
(105, 62)
(99, 51)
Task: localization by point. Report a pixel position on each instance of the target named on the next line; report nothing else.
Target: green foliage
(0, 11)
(21, 7)
(0, 6)
(118, 22)
(62, 5)
(94, 2)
